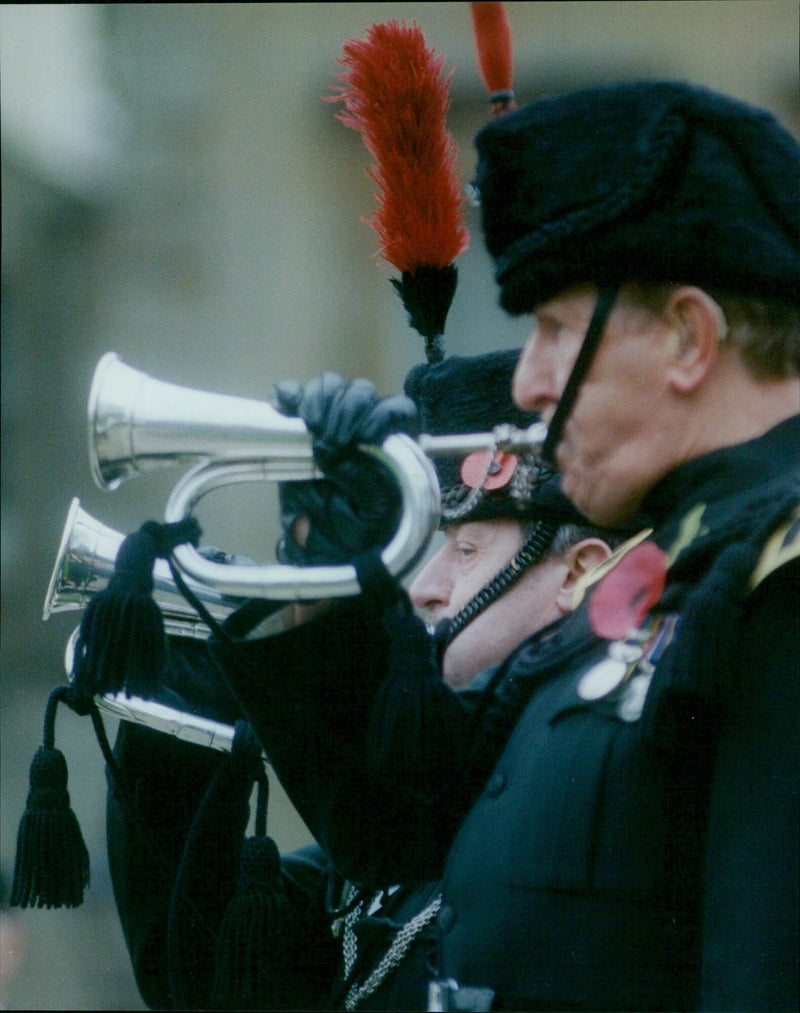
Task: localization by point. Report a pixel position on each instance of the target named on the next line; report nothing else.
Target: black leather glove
(357, 506)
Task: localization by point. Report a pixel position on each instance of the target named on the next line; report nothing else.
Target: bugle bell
(83, 567)
(85, 564)
(138, 424)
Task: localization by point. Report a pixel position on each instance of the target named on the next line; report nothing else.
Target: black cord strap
(605, 302)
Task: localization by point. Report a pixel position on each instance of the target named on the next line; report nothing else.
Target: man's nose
(431, 589)
(534, 385)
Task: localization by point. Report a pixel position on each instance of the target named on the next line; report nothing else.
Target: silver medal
(602, 679)
(631, 705)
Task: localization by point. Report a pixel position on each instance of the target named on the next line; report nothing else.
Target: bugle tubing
(83, 567)
(185, 725)
(137, 424)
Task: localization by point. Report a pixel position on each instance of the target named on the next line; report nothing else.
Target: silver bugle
(138, 424)
(184, 725)
(85, 564)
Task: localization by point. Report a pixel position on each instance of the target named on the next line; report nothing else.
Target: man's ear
(579, 559)
(700, 327)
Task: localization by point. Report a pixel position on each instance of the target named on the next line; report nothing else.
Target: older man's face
(471, 555)
(616, 442)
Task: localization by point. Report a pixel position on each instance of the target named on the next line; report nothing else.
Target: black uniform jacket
(176, 817)
(626, 847)
(174, 869)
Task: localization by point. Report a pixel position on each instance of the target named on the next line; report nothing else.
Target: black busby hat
(468, 395)
(472, 394)
(644, 181)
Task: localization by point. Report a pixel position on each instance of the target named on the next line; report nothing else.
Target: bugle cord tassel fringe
(52, 861)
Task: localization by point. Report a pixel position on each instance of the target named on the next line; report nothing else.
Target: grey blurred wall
(174, 189)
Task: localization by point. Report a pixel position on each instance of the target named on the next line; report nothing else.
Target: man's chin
(610, 515)
(604, 511)
(454, 677)
(576, 493)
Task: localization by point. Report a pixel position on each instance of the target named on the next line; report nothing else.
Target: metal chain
(461, 499)
(349, 942)
(393, 956)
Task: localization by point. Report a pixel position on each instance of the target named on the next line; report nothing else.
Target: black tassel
(52, 862)
(121, 644)
(257, 936)
(427, 294)
(254, 931)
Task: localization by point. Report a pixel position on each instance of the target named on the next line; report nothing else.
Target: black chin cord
(605, 301)
(529, 554)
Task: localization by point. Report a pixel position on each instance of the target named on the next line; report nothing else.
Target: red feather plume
(396, 97)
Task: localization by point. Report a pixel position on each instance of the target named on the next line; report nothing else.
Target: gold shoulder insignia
(783, 545)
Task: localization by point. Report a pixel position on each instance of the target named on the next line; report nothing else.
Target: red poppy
(474, 471)
(626, 594)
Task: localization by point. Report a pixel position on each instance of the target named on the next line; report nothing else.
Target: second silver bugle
(84, 565)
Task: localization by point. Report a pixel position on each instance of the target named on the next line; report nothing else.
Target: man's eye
(465, 551)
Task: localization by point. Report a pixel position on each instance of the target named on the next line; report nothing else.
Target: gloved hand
(356, 507)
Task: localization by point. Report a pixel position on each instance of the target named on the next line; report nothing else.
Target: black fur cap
(472, 394)
(644, 181)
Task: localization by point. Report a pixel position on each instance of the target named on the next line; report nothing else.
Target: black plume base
(427, 295)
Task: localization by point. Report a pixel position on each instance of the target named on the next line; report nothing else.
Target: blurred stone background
(174, 189)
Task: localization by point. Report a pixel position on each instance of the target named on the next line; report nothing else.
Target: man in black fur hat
(653, 230)
(627, 832)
